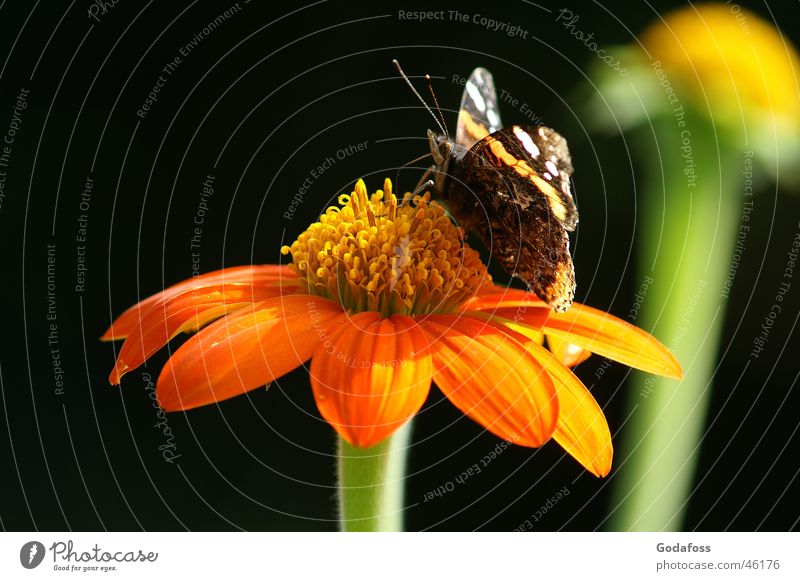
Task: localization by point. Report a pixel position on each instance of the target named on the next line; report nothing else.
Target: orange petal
(606, 335)
(533, 317)
(582, 427)
(492, 378)
(247, 275)
(245, 350)
(372, 376)
(569, 354)
(491, 297)
(187, 311)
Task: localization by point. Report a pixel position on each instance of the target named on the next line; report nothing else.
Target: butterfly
(511, 187)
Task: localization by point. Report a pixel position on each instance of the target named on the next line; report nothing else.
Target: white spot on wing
(552, 167)
(547, 176)
(476, 96)
(494, 119)
(526, 140)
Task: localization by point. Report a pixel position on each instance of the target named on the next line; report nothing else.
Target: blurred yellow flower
(721, 62)
(712, 87)
(732, 63)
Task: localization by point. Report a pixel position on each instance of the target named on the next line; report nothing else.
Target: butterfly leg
(425, 181)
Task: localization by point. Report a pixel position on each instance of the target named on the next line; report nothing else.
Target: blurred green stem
(371, 483)
(690, 218)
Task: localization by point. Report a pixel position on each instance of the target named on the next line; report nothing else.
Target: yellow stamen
(371, 253)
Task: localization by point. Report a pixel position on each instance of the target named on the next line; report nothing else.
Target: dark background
(259, 103)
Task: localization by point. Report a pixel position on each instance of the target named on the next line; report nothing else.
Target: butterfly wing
(479, 114)
(515, 193)
(541, 156)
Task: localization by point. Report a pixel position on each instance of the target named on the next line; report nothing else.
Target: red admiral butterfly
(510, 186)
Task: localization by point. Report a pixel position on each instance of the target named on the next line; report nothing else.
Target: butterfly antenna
(436, 102)
(421, 100)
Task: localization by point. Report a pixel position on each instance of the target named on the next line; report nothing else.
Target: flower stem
(689, 226)
(371, 483)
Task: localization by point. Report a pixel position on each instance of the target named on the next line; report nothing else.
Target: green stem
(688, 234)
(371, 483)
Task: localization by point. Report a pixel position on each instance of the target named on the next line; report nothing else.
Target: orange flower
(385, 297)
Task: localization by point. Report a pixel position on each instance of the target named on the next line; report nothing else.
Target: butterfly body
(510, 186)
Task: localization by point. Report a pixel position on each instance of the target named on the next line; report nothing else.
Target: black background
(270, 95)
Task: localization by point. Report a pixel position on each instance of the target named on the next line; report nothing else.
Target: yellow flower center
(373, 253)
